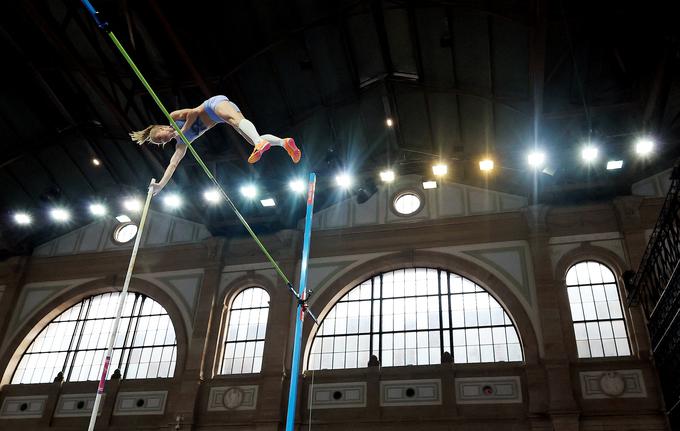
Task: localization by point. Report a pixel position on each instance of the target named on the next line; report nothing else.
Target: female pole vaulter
(196, 121)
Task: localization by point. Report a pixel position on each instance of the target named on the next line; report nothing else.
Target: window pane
(596, 311)
(75, 342)
(406, 313)
(246, 330)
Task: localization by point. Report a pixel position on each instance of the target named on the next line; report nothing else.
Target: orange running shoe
(260, 148)
(292, 149)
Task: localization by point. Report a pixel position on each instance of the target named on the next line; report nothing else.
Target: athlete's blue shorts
(210, 105)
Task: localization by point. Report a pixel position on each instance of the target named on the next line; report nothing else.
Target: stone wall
(521, 256)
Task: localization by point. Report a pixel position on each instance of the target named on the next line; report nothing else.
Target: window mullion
(380, 322)
(370, 328)
(441, 312)
(125, 349)
(137, 315)
(448, 298)
(82, 320)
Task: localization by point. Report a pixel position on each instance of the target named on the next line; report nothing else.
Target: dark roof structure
(460, 79)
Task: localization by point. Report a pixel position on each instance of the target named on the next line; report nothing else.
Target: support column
(9, 292)
(558, 394)
(198, 364)
(635, 242)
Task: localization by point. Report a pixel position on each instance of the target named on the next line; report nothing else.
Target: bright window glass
(411, 317)
(75, 342)
(125, 232)
(244, 338)
(596, 311)
(407, 203)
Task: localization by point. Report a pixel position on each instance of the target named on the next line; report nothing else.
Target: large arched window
(411, 317)
(75, 342)
(596, 311)
(244, 338)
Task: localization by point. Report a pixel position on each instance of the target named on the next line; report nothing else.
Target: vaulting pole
(119, 312)
(301, 308)
(103, 25)
(300, 295)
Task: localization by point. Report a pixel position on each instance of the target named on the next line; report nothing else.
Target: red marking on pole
(310, 193)
(303, 308)
(107, 361)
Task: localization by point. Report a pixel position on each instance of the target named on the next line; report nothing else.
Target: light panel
(172, 201)
(440, 169)
(212, 196)
(387, 176)
(536, 159)
(343, 180)
(296, 185)
(249, 191)
(98, 209)
(589, 154)
(486, 165)
(132, 204)
(427, 185)
(22, 218)
(60, 214)
(614, 164)
(644, 146)
(268, 202)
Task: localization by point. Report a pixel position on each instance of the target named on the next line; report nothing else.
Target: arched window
(596, 311)
(75, 342)
(411, 317)
(244, 338)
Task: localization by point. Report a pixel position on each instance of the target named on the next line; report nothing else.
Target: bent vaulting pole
(300, 315)
(119, 312)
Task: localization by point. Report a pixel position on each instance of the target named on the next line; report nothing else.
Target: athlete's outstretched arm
(180, 151)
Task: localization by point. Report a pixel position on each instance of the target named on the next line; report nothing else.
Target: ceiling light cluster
(536, 159)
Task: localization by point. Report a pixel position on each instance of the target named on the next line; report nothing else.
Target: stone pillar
(635, 242)
(565, 421)
(197, 365)
(108, 403)
(13, 278)
(558, 394)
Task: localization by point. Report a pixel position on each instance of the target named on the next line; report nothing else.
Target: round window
(407, 203)
(125, 232)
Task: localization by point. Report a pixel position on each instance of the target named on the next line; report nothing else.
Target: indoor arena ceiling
(460, 79)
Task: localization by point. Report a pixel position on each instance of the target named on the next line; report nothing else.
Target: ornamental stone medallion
(612, 383)
(233, 398)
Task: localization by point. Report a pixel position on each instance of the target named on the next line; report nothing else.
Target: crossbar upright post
(300, 312)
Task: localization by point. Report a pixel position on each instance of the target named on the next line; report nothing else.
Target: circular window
(407, 203)
(125, 232)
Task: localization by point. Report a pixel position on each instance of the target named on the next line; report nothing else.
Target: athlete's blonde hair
(142, 136)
